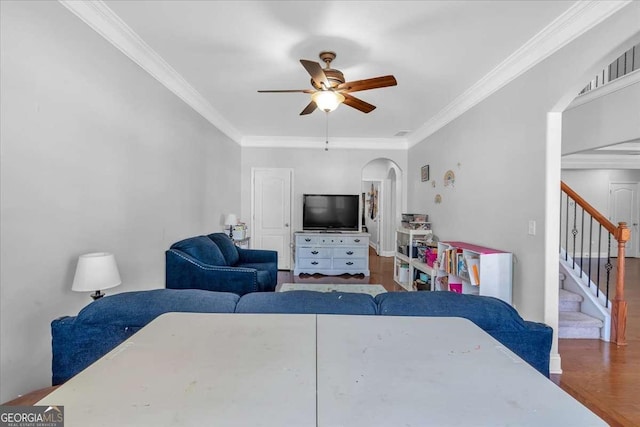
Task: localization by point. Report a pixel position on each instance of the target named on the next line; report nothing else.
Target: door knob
(286, 224)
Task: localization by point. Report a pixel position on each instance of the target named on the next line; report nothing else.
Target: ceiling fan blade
(287, 91)
(374, 83)
(309, 108)
(358, 104)
(315, 71)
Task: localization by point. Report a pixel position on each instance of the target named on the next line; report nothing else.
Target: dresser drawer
(331, 239)
(350, 263)
(314, 252)
(357, 240)
(306, 240)
(349, 252)
(317, 264)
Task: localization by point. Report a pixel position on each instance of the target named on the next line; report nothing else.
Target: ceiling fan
(330, 90)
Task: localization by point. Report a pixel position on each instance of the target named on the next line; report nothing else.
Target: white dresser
(331, 253)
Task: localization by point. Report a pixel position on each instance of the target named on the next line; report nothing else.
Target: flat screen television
(331, 212)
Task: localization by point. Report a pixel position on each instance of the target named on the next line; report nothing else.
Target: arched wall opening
(382, 190)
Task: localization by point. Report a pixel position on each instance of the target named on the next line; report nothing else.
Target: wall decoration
(449, 178)
(438, 198)
(373, 202)
(364, 204)
(424, 173)
(433, 183)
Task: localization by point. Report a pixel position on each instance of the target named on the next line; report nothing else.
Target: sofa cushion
(202, 249)
(136, 309)
(307, 302)
(227, 247)
(490, 314)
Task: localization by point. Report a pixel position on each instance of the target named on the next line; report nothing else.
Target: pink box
(455, 287)
(431, 257)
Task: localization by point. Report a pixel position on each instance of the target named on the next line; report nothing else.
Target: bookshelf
(473, 269)
(406, 262)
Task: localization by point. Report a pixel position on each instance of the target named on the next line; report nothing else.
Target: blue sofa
(214, 263)
(80, 340)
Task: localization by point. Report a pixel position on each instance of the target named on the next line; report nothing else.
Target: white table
(194, 369)
(372, 290)
(187, 369)
(428, 371)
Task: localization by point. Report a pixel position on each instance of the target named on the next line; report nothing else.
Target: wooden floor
(603, 376)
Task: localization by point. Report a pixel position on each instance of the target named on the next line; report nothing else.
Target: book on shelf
(455, 262)
(473, 264)
(461, 269)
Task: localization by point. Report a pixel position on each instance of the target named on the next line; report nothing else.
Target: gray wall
(96, 156)
(337, 171)
(606, 120)
(593, 184)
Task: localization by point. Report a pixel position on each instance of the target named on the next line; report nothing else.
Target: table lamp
(95, 272)
(231, 220)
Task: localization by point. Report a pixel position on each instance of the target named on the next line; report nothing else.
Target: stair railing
(626, 63)
(580, 224)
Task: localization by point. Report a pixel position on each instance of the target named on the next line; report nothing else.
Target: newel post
(619, 308)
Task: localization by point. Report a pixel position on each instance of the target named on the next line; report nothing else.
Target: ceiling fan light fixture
(327, 100)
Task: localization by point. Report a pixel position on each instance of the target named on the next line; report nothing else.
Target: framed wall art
(424, 173)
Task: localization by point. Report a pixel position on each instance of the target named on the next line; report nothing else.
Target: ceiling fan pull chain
(326, 142)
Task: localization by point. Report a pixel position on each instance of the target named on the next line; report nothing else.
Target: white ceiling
(437, 50)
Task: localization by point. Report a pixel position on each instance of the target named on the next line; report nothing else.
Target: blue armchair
(214, 263)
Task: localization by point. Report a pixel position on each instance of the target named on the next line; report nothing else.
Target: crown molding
(575, 21)
(319, 143)
(97, 15)
(600, 161)
(578, 19)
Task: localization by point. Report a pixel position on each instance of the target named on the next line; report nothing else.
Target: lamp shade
(327, 100)
(231, 219)
(96, 271)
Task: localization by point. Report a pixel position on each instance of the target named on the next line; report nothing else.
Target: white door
(623, 207)
(271, 212)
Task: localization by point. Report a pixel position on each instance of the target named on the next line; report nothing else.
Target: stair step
(566, 295)
(578, 325)
(569, 301)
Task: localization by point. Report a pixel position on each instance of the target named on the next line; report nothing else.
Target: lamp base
(97, 295)
(231, 232)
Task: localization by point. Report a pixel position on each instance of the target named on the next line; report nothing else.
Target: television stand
(331, 253)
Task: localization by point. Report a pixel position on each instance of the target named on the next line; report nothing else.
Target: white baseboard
(555, 364)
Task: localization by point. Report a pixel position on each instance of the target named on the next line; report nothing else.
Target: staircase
(592, 253)
(572, 323)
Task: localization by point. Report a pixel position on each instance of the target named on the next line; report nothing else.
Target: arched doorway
(382, 190)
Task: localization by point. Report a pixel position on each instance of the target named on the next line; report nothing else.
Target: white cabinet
(473, 269)
(406, 261)
(331, 253)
